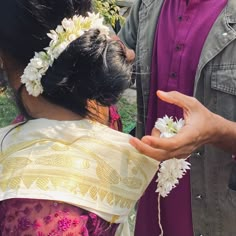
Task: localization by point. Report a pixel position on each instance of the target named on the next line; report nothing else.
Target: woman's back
(80, 163)
(63, 172)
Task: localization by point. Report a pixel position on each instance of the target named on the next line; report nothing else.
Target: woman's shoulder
(6, 129)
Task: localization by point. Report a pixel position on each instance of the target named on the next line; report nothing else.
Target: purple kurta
(181, 32)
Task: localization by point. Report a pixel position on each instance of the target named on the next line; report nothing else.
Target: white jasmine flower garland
(170, 171)
(61, 37)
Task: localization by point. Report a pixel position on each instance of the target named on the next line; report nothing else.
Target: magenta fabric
(18, 119)
(115, 119)
(181, 32)
(32, 217)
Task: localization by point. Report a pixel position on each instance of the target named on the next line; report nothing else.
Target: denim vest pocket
(224, 78)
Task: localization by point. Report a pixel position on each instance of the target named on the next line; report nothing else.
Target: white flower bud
(72, 37)
(68, 24)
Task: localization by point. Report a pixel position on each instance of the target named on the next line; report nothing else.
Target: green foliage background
(110, 11)
(8, 112)
(128, 112)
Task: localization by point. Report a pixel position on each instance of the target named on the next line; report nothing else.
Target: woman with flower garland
(61, 171)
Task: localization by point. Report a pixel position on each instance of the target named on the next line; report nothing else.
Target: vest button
(199, 196)
(198, 154)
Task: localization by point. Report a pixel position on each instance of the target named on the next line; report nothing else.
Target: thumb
(176, 98)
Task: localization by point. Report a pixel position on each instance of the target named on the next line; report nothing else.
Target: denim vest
(213, 171)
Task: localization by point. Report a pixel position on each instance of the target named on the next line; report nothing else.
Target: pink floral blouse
(32, 217)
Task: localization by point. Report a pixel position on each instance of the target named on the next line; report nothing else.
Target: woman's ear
(130, 54)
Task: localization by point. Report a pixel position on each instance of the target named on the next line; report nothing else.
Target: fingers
(176, 98)
(149, 146)
(147, 149)
(130, 54)
(162, 143)
(153, 147)
(156, 132)
(115, 37)
(182, 144)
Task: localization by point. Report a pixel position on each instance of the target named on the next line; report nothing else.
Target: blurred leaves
(8, 110)
(128, 112)
(110, 11)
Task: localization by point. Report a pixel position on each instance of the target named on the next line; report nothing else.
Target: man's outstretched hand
(199, 129)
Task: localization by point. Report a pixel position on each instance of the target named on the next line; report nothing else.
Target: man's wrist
(224, 134)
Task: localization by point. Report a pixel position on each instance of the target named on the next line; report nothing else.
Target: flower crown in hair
(61, 37)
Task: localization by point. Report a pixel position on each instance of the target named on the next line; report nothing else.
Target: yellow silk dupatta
(82, 163)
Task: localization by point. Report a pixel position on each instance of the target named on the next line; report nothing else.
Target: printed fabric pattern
(32, 217)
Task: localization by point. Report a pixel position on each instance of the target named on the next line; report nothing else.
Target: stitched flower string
(61, 37)
(170, 171)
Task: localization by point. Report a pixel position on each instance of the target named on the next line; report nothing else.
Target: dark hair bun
(92, 67)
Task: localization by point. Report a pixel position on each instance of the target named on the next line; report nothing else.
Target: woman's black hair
(92, 67)
(24, 24)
